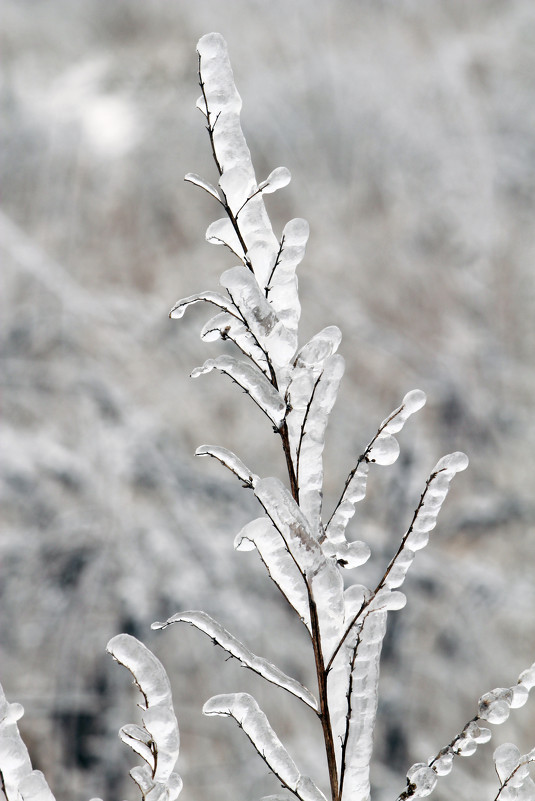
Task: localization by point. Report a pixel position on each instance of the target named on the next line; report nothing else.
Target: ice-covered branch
(18, 781)
(235, 648)
(384, 450)
(157, 741)
(493, 707)
(249, 717)
(512, 769)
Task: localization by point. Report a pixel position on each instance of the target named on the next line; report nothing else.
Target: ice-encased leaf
(423, 780)
(320, 347)
(252, 381)
(230, 461)
(238, 186)
(323, 578)
(246, 712)
(282, 569)
(159, 720)
(237, 649)
(383, 449)
(222, 105)
(506, 759)
(193, 178)
(222, 232)
(226, 326)
(312, 438)
(16, 771)
(209, 297)
(138, 739)
(277, 179)
(259, 315)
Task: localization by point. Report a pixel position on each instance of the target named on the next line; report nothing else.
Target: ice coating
(222, 105)
(262, 320)
(233, 646)
(231, 462)
(324, 580)
(15, 766)
(209, 297)
(443, 763)
(251, 380)
(506, 759)
(281, 283)
(277, 179)
(527, 677)
(193, 178)
(495, 705)
(226, 326)
(158, 715)
(383, 449)
(363, 700)
(312, 439)
(262, 535)
(222, 232)
(423, 780)
(246, 712)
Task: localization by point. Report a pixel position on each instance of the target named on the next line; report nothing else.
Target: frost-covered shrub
(306, 552)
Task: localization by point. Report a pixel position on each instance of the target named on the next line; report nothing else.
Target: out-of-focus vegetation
(409, 131)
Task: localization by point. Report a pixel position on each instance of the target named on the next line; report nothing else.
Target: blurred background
(409, 131)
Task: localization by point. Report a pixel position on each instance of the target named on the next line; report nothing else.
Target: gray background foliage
(409, 131)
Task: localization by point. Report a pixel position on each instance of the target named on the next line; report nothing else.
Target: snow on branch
(157, 741)
(249, 717)
(235, 648)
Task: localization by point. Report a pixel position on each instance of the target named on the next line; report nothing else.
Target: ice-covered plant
(307, 554)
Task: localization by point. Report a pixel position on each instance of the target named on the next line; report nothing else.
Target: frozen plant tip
(305, 552)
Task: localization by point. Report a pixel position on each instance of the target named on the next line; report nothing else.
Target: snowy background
(408, 129)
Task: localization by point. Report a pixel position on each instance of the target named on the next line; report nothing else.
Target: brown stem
(324, 714)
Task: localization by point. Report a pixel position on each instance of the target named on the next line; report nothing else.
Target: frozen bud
(444, 762)
(423, 779)
(527, 677)
(385, 450)
(506, 758)
(495, 705)
(520, 695)
(465, 746)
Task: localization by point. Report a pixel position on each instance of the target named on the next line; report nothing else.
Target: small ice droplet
(417, 540)
(453, 462)
(414, 400)
(385, 450)
(527, 677)
(444, 763)
(276, 179)
(465, 745)
(520, 695)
